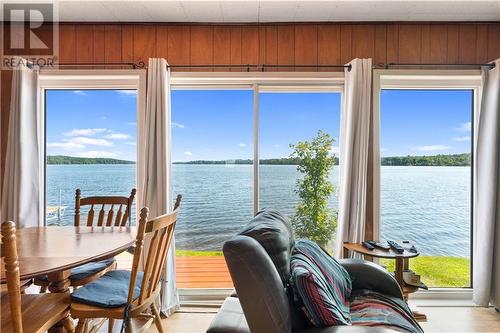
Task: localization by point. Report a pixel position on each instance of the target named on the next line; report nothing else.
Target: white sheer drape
(154, 169)
(486, 263)
(22, 192)
(357, 125)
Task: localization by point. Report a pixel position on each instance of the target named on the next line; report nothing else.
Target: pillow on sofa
(321, 284)
(273, 231)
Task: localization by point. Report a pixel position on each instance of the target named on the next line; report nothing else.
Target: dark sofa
(258, 259)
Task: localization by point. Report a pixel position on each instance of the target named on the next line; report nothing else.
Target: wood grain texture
(235, 51)
(410, 43)
(84, 43)
(363, 41)
(328, 45)
(306, 46)
(43, 250)
(144, 42)
(438, 44)
(202, 43)
(112, 43)
(250, 45)
(346, 44)
(286, 46)
(99, 43)
(162, 41)
(222, 47)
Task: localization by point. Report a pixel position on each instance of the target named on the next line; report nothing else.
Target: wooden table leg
(399, 271)
(59, 283)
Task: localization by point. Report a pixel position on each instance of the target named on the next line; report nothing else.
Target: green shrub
(313, 218)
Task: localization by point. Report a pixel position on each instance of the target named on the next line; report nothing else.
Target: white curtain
(358, 128)
(22, 192)
(154, 169)
(486, 263)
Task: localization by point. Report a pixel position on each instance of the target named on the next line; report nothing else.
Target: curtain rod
(262, 67)
(134, 65)
(490, 65)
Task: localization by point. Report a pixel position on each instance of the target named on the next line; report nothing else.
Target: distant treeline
(61, 159)
(271, 161)
(435, 160)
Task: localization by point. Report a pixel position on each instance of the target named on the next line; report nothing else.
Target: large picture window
(215, 131)
(90, 145)
(426, 140)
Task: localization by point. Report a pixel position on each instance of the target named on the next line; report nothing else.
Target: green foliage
(436, 160)
(61, 159)
(313, 219)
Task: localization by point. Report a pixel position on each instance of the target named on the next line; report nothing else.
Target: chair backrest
(121, 218)
(9, 254)
(161, 231)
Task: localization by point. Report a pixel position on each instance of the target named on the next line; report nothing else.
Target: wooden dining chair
(128, 295)
(27, 313)
(112, 211)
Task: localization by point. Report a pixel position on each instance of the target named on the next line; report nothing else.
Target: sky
(91, 123)
(218, 124)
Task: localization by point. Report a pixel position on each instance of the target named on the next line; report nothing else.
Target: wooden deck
(193, 272)
(202, 272)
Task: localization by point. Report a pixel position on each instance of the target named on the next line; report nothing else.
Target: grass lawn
(188, 253)
(438, 271)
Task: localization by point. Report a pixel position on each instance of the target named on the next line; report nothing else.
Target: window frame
(259, 82)
(400, 79)
(50, 79)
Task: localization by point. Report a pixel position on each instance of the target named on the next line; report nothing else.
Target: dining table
(55, 250)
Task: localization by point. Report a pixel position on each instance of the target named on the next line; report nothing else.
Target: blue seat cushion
(86, 270)
(108, 291)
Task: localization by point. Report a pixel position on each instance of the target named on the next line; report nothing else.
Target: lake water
(429, 206)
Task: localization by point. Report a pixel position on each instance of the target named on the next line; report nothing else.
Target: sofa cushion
(274, 232)
(108, 291)
(321, 284)
(370, 308)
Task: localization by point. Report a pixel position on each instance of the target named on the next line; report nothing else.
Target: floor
(440, 320)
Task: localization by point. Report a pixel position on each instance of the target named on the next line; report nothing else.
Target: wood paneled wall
(270, 44)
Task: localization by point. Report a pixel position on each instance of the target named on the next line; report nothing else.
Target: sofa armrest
(367, 275)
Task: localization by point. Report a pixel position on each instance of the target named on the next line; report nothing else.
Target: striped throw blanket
(321, 285)
(369, 308)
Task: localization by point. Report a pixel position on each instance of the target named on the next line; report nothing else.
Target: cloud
(127, 92)
(242, 145)
(79, 92)
(188, 153)
(96, 154)
(433, 148)
(335, 150)
(86, 131)
(91, 141)
(177, 125)
(466, 127)
(117, 136)
(130, 143)
(65, 145)
(462, 138)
